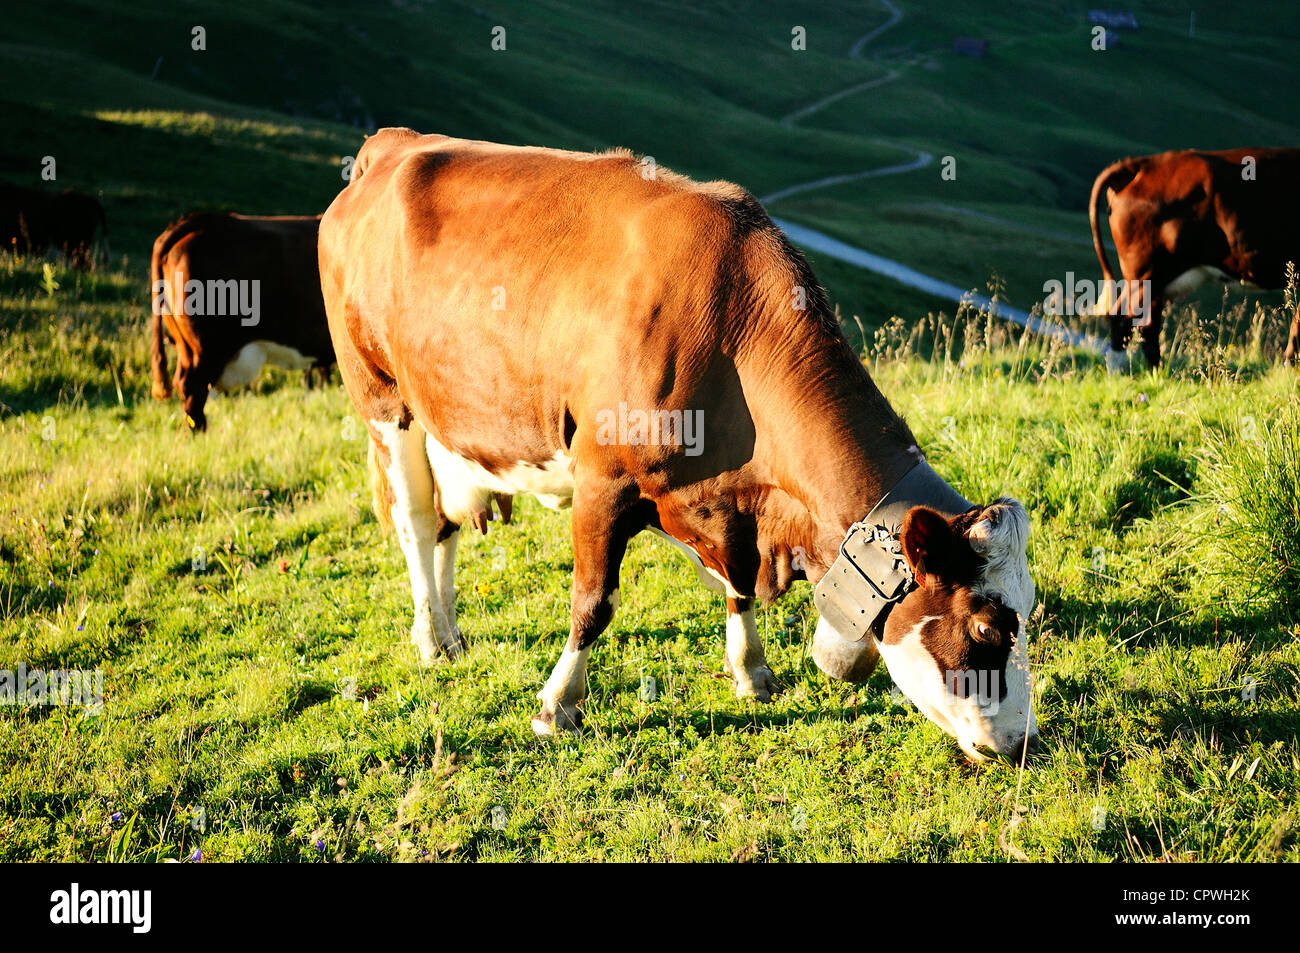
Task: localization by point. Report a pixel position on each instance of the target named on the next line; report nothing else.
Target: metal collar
(870, 574)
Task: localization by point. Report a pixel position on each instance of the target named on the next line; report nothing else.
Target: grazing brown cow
(652, 352)
(1181, 218)
(32, 221)
(235, 292)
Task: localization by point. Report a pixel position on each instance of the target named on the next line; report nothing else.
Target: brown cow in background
(34, 220)
(236, 292)
(1181, 218)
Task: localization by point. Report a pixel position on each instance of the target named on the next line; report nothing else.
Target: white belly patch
(465, 487)
(1194, 278)
(251, 358)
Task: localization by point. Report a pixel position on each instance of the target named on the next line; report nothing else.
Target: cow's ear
(928, 543)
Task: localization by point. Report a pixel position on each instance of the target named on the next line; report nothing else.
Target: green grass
(275, 690)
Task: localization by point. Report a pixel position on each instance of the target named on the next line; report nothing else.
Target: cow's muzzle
(842, 659)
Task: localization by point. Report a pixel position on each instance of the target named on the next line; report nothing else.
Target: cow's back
(587, 278)
(1253, 196)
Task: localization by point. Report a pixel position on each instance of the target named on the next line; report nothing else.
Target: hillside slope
(259, 119)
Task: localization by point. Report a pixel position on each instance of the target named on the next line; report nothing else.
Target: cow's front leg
(401, 453)
(192, 384)
(1151, 333)
(745, 660)
(605, 517)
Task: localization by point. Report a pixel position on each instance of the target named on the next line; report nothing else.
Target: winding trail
(895, 15)
(921, 160)
(896, 271)
(805, 111)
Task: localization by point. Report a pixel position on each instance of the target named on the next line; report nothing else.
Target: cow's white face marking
(1002, 537)
(984, 718)
(1194, 278)
(253, 356)
(466, 487)
(978, 722)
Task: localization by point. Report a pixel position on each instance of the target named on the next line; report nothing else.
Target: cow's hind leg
(1151, 334)
(1121, 329)
(605, 516)
(444, 571)
(400, 452)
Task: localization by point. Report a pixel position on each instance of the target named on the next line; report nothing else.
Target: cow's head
(955, 644)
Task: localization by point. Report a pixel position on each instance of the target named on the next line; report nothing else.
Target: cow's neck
(837, 448)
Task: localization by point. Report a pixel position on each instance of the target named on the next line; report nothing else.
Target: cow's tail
(161, 301)
(162, 385)
(1115, 175)
(381, 491)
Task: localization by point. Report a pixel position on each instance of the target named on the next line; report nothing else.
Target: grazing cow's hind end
(234, 293)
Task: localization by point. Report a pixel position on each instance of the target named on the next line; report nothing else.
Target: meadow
(250, 617)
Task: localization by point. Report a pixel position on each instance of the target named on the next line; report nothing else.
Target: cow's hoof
(758, 684)
(459, 644)
(430, 648)
(559, 721)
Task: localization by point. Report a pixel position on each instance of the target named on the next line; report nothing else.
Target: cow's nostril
(1022, 747)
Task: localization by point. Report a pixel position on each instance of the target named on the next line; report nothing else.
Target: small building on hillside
(969, 46)
(1113, 19)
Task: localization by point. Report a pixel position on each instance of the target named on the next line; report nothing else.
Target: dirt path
(920, 161)
(897, 271)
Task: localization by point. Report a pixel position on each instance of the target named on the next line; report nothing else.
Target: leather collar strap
(870, 574)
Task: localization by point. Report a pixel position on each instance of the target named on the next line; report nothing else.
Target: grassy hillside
(271, 691)
(259, 120)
